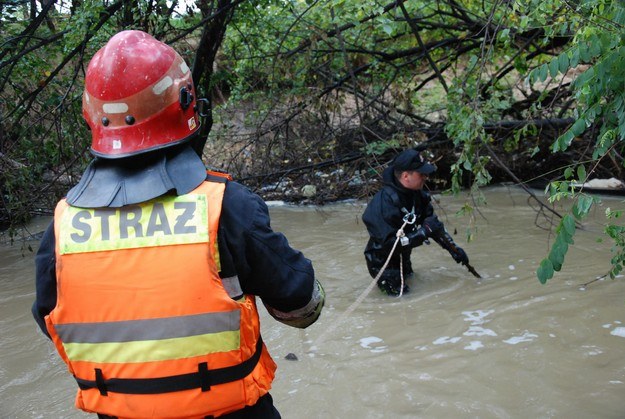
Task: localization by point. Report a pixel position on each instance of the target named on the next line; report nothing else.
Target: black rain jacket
(384, 216)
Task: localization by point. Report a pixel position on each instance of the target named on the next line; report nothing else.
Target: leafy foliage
(616, 233)
(298, 87)
(598, 48)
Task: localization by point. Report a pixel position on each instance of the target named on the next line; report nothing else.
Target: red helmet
(139, 96)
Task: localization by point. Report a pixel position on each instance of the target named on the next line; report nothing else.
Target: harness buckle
(410, 218)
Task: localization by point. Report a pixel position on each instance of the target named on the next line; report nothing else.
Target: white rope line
(352, 307)
(401, 274)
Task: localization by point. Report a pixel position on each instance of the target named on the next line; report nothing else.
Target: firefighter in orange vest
(146, 278)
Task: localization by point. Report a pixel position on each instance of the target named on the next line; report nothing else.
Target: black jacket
(384, 215)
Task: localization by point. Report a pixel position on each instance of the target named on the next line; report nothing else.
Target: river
(504, 346)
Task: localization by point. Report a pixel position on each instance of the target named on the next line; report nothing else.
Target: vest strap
(205, 378)
(99, 382)
(202, 379)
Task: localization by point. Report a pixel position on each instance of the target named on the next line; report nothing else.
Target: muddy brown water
(504, 346)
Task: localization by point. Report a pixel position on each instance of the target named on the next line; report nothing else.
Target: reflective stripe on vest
(137, 340)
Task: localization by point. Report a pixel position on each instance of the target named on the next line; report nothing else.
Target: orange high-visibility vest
(142, 319)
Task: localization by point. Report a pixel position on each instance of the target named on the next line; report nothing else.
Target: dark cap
(411, 160)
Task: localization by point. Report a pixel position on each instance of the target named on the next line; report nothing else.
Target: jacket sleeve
(267, 266)
(45, 279)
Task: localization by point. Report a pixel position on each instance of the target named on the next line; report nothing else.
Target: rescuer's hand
(459, 255)
(416, 237)
(432, 226)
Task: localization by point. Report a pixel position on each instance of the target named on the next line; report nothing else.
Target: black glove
(432, 226)
(416, 237)
(448, 244)
(459, 255)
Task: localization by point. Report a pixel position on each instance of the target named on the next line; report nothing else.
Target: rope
(400, 233)
(401, 274)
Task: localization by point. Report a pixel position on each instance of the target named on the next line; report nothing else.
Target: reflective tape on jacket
(142, 318)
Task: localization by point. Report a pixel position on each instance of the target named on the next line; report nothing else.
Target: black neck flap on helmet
(115, 183)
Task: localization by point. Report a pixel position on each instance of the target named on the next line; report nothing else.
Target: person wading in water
(402, 200)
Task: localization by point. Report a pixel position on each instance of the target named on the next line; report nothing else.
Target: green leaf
(556, 261)
(563, 142)
(504, 35)
(574, 57)
(581, 173)
(568, 224)
(578, 127)
(568, 238)
(545, 271)
(473, 59)
(584, 52)
(563, 63)
(583, 205)
(595, 46)
(553, 68)
(558, 252)
(534, 151)
(542, 72)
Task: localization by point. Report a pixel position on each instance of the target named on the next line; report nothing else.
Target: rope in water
(352, 307)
